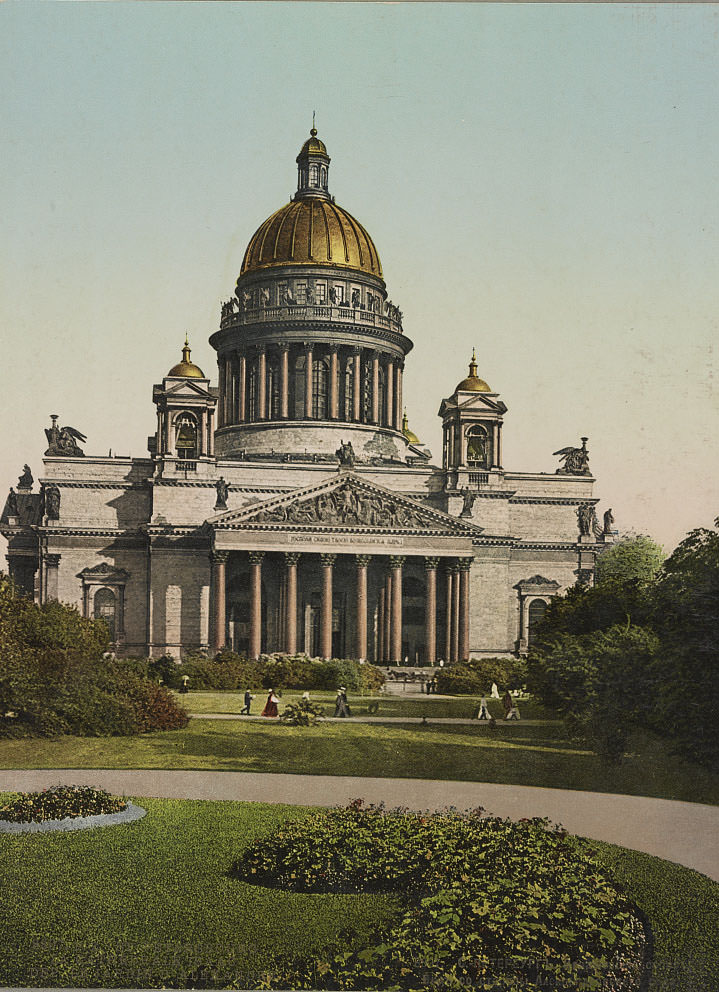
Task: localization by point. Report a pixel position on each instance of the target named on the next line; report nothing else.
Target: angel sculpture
(63, 440)
(576, 460)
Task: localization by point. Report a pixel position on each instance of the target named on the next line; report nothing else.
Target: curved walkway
(687, 833)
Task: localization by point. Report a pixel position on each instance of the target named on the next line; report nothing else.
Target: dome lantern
(186, 369)
(313, 164)
(473, 384)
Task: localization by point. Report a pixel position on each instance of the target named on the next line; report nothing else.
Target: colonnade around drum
(377, 619)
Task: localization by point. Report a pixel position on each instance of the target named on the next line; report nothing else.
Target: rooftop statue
(576, 460)
(63, 440)
(26, 480)
(345, 454)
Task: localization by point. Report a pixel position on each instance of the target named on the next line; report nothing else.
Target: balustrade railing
(336, 314)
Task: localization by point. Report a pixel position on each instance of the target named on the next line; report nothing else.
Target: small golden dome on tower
(473, 384)
(186, 369)
(313, 145)
(409, 434)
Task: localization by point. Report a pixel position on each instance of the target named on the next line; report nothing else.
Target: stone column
(388, 412)
(218, 609)
(499, 446)
(494, 462)
(362, 562)
(334, 383)
(168, 431)
(211, 433)
(222, 390)
(262, 384)
(357, 384)
(381, 657)
(308, 381)
(291, 560)
(284, 381)
(430, 610)
(465, 565)
(202, 446)
(52, 565)
(455, 613)
(242, 391)
(227, 394)
(375, 387)
(256, 603)
(398, 399)
(326, 606)
(396, 562)
(388, 618)
(448, 631)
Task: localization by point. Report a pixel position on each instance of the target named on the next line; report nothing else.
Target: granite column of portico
(291, 560)
(326, 606)
(448, 613)
(396, 562)
(465, 565)
(381, 657)
(218, 615)
(388, 617)
(455, 613)
(430, 610)
(362, 562)
(256, 558)
(284, 380)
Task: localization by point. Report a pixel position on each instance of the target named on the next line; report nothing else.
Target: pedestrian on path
(483, 711)
(495, 691)
(511, 712)
(341, 704)
(271, 705)
(248, 702)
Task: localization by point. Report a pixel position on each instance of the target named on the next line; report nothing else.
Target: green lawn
(463, 707)
(517, 754)
(151, 904)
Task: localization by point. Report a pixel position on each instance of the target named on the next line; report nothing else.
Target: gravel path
(687, 833)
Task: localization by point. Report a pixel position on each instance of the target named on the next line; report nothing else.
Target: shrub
(459, 680)
(164, 669)
(487, 900)
(59, 802)
(226, 671)
(302, 714)
(155, 707)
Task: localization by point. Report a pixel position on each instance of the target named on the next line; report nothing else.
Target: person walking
(248, 702)
(483, 711)
(510, 710)
(271, 705)
(185, 680)
(341, 707)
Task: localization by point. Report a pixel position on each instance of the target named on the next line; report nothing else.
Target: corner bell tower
(472, 420)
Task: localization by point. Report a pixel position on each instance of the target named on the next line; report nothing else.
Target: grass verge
(151, 903)
(514, 754)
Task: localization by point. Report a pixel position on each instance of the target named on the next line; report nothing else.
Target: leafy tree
(636, 558)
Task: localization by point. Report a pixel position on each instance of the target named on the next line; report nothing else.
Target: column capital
(309, 346)
(431, 563)
(283, 345)
(332, 346)
(256, 557)
(292, 557)
(363, 560)
(51, 560)
(464, 564)
(219, 557)
(450, 565)
(261, 348)
(356, 349)
(328, 559)
(397, 561)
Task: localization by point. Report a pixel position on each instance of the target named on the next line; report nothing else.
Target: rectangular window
(301, 292)
(320, 292)
(339, 293)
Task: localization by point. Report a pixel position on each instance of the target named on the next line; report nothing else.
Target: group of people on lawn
(511, 710)
(342, 707)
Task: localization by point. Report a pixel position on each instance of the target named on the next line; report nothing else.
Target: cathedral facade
(290, 507)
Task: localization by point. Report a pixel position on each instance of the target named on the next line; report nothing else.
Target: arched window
(323, 177)
(186, 436)
(348, 392)
(320, 380)
(537, 609)
(273, 390)
(105, 608)
(313, 175)
(477, 446)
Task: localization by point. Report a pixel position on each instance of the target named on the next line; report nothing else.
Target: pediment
(104, 572)
(480, 402)
(346, 503)
(187, 388)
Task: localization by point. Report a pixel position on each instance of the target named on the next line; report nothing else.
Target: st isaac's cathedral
(290, 507)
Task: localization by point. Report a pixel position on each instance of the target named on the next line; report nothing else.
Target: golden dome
(186, 369)
(473, 384)
(410, 435)
(311, 231)
(313, 146)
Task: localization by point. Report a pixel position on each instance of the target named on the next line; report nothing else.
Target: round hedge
(59, 802)
(487, 903)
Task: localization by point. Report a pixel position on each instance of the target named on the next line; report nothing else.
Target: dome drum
(296, 441)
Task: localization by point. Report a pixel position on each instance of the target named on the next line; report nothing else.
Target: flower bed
(490, 904)
(59, 803)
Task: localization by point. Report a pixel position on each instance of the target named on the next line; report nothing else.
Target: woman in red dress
(271, 705)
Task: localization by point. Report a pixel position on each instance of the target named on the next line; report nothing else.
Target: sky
(540, 182)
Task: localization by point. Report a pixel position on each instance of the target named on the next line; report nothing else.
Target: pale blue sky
(540, 181)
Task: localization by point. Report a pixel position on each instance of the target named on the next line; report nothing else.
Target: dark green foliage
(475, 677)
(479, 891)
(165, 670)
(459, 680)
(278, 671)
(54, 678)
(59, 802)
(303, 713)
(636, 558)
